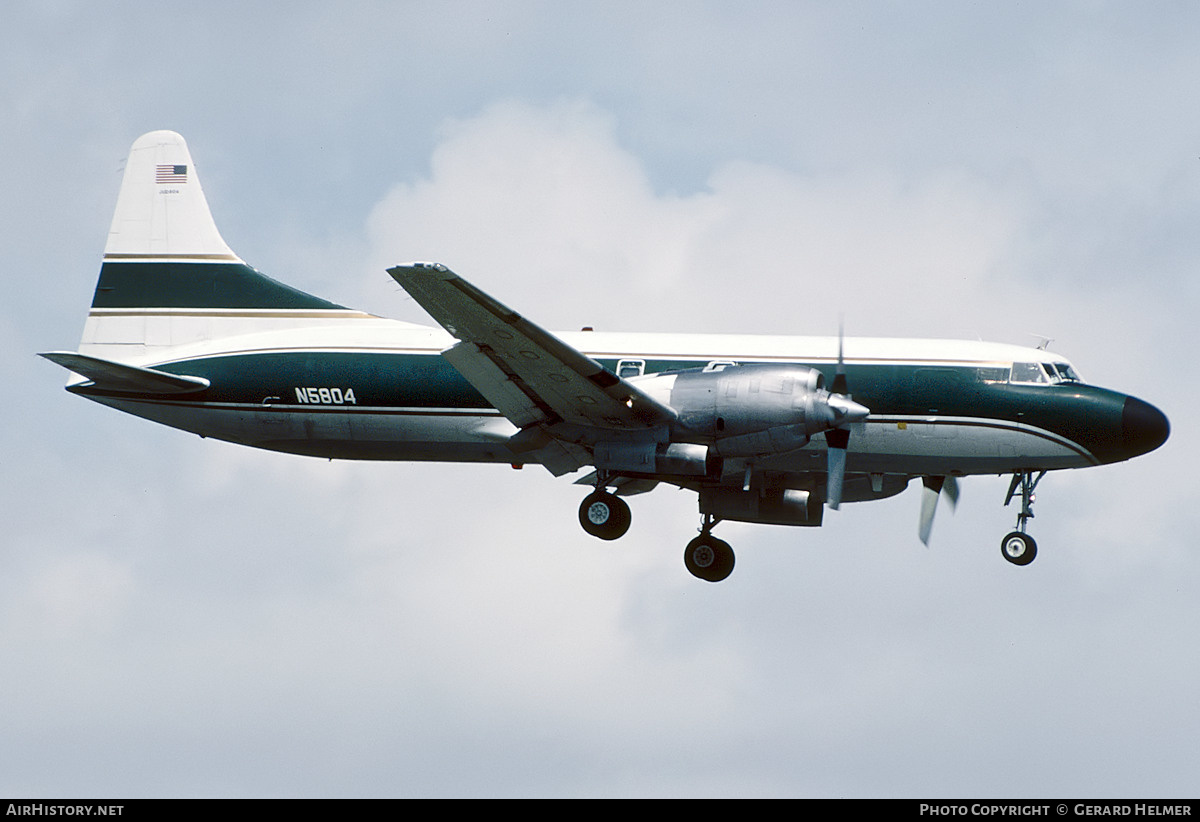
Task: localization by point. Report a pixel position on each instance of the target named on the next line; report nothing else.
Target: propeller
(837, 439)
(934, 489)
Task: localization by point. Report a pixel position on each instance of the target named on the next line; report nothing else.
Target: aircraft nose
(1143, 427)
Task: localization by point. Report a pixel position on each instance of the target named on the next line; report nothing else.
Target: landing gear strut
(707, 557)
(1018, 547)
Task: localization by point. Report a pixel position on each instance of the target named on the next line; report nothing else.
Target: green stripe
(196, 285)
(1086, 415)
(377, 379)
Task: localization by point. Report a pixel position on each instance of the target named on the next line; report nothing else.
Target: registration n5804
(326, 396)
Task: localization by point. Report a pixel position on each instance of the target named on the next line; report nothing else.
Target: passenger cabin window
(1029, 372)
(630, 368)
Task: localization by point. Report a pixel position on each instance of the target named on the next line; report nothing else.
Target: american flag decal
(170, 174)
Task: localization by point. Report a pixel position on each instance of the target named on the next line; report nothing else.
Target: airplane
(764, 429)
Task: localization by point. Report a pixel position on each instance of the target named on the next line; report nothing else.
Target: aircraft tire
(1019, 548)
(605, 515)
(709, 558)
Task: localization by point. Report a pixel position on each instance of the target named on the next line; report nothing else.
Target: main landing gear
(604, 515)
(1018, 547)
(607, 516)
(707, 557)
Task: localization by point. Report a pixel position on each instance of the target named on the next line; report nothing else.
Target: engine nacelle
(750, 410)
(676, 458)
(783, 506)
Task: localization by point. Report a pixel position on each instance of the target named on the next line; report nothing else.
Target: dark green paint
(377, 379)
(196, 285)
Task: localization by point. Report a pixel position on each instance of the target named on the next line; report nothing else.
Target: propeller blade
(950, 492)
(837, 439)
(836, 470)
(933, 489)
(839, 376)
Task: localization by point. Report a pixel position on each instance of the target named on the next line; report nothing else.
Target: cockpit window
(1028, 372)
(993, 374)
(1062, 372)
(1045, 373)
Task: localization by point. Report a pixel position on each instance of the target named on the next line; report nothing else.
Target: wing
(563, 401)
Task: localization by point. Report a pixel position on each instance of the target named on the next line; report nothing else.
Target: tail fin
(161, 210)
(168, 277)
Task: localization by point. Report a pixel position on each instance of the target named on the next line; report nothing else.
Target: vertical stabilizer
(161, 210)
(169, 279)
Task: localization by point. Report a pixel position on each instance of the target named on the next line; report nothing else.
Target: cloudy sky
(183, 617)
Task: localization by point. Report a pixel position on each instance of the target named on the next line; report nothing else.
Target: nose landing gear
(1018, 547)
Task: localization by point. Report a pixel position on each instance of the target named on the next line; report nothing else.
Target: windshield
(1062, 372)
(1029, 372)
(1043, 373)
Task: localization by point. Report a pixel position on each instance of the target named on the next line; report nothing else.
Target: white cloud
(542, 207)
(527, 200)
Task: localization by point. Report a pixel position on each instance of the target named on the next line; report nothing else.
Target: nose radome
(1143, 426)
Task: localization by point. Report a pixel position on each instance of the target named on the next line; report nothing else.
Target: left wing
(563, 401)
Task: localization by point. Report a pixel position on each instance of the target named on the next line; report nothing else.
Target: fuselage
(361, 387)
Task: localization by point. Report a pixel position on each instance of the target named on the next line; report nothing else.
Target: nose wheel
(1018, 548)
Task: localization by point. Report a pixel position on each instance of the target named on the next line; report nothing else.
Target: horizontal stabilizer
(119, 378)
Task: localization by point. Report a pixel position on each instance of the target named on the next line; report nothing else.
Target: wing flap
(502, 389)
(119, 378)
(622, 486)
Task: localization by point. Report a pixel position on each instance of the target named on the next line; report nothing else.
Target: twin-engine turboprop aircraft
(763, 429)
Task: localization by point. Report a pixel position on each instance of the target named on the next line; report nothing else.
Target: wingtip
(56, 357)
(420, 265)
(410, 274)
